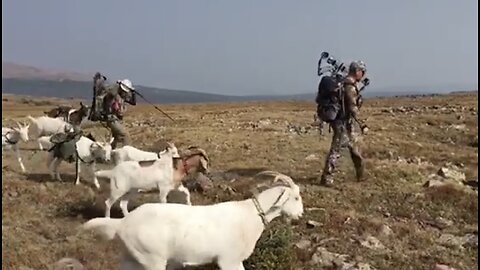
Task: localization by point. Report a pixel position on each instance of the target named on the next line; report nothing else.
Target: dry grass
(40, 217)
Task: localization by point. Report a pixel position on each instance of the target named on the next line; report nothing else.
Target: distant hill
(32, 81)
(17, 71)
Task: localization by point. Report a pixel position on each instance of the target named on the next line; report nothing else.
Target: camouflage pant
(343, 137)
(119, 133)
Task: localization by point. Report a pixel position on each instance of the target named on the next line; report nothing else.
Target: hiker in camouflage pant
(343, 133)
(114, 102)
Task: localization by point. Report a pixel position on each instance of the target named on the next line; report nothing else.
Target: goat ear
(18, 124)
(111, 140)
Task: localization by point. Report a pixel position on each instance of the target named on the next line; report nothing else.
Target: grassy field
(409, 139)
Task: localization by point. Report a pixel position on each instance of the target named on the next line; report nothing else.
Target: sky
(246, 47)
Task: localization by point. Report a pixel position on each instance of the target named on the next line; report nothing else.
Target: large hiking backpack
(329, 98)
(97, 111)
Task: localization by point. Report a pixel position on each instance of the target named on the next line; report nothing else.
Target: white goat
(130, 153)
(225, 233)
(129, 176)
(45, 126)
(87, 151)
(11, 137)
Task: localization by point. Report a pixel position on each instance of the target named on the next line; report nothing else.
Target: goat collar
(8, 140)
(261, 213)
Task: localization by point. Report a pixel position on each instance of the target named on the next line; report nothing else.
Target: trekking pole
(158, 109)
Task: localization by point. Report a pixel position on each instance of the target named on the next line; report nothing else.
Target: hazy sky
(246, 46)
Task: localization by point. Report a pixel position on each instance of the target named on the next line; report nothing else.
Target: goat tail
(104, 173)
(105, 227)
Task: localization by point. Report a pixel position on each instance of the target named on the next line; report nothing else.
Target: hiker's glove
(364, 129)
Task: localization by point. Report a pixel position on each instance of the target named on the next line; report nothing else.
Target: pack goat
(166, 174)
(69, 114)
(45, 126)
(12, 136)
(130, 153)
(225, 233)
(88, 151)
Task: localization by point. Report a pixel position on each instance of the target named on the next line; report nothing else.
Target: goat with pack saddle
(165, 173)
(75, 147)
(69, 114)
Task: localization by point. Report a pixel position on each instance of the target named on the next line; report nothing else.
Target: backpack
(97, 111)
(329, 98)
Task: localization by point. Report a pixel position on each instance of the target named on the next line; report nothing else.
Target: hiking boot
(326, 181)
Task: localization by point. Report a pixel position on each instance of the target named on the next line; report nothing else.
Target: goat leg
(95, 180)
(17, 153)
(77, 171)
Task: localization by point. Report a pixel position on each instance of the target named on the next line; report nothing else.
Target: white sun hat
(126, 85)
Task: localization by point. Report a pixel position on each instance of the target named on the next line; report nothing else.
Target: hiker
(340, 112)
(114, 104)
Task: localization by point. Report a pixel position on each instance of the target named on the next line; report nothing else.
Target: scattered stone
(356, 266)
(443, 223)
(303, 244)
(447, 174)
(311, 157)
(23, 267)
(324, 258)
(385, 230)
(450, 240)
(452, 173)
(459, 127)
(42, 188)
(372, 243)
(443, 267)
(312, 224)
(68, 263)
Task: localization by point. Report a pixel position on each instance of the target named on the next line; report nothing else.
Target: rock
(384, 230)
(312, 224)
(470, 240)
(443, 223)
(23, 267)
(435, 183)
(311, 157)
(373, 243)
(460, 127)
(303, 244)
(68, 263)
(324, 258)
(356, 266)
(452, 173)
(265, 122)
(450, 240)
(443, 267)
(42, 188)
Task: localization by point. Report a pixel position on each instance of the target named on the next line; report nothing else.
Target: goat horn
(278, 177)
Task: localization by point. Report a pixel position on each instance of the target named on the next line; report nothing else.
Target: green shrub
(274, 249)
